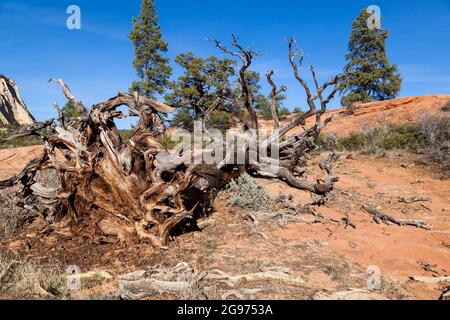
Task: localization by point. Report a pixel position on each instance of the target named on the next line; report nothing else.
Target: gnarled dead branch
(379, 217)
(141, 190)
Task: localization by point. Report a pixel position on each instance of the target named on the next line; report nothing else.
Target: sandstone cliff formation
(13, 111)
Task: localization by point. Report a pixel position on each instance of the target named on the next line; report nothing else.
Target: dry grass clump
(12, 217)
(24, 279)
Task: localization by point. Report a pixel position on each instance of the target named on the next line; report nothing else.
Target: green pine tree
(69, 110)
(152, 67)
(203, 81)
(373, 77)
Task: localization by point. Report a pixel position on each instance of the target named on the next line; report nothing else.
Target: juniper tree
(150, 63)
(204, 87)
(372, 77)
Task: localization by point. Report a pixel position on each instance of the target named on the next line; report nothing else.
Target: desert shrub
(355, 141)
(376, 140)
(327, 142)
(393, 136)
(436, 131)
(283, 112)
(245, 193)
(402, 136)
(12, 217)
(430, 137)
(24, 278)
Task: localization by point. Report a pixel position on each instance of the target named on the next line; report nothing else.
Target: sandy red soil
(310, 250)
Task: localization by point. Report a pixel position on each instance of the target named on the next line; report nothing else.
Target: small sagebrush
(245, 193)
(436, 131)
(11, 216)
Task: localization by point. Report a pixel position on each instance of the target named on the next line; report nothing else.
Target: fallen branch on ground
(414, 199)
(379, 216)
(430, 279)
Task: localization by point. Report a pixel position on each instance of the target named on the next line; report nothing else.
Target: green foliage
(71, 113)
(245, 193)
(283, 112)
(406, 136)
(203, 81)
(373, 77)
(263, 104)
(152, 67)
(220, 120)
(69, 110)
(166, 142)
(126, 135)
(355, 141)
(183, 119)
(430, 136)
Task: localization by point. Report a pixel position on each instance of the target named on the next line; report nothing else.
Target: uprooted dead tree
(111, 188)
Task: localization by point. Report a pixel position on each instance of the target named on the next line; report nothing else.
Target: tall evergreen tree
(372, 77)
(152, 67)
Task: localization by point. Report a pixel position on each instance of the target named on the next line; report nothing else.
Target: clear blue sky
(96, 61)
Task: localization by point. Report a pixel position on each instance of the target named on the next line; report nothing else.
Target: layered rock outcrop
(13, 111)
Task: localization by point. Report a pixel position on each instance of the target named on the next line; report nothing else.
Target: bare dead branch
(379, 216)
(414, 199)
(246, 57)
(275, 92)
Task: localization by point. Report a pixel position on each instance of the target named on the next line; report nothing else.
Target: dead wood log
(141, 190)
(233, 281)
(414, 199)
(430, 279)
(379, 217)
(154, 285)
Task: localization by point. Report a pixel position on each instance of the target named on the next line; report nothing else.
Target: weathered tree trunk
(141, 189)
